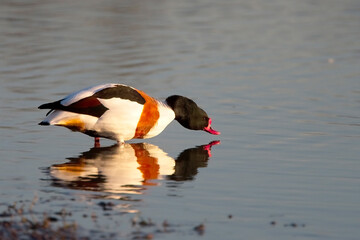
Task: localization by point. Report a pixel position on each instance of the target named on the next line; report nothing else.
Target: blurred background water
(280, 80)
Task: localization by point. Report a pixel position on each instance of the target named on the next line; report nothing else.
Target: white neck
(167, 115)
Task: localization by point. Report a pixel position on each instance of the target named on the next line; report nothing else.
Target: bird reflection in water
(128, 168)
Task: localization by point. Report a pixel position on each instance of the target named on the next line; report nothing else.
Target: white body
(119, 122)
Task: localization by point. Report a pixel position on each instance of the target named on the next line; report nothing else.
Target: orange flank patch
(149, 166)
(74, 124)
(149, 116)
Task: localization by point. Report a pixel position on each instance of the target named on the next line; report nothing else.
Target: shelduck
(120, 112)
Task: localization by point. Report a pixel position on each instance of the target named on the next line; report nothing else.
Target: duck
(121, 113)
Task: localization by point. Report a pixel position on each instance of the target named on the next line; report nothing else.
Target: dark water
(280, 80)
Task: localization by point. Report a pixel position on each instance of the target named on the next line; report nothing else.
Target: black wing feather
(95, 108)
(120, 91)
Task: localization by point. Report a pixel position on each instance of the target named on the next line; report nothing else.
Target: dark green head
(189, 114)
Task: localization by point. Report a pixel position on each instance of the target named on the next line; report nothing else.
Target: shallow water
(280, 80)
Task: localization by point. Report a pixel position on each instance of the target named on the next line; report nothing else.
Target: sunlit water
(280, 80)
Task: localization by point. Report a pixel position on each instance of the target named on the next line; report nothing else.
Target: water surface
(280, 80)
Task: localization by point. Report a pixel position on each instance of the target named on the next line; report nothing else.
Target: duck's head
(189, 114)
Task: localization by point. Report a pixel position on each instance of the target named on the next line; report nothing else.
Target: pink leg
(96, 142)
